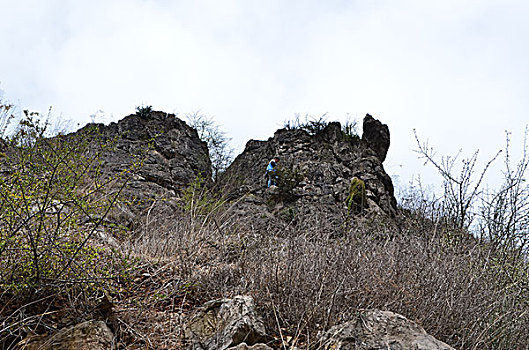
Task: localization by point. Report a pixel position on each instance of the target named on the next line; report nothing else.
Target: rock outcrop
(376, 135)
(89, 335)
(374, 329)
(316, 173)
(225, 323)
(169, 151)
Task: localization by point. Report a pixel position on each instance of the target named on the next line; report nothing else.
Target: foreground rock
(374, 329)
(89, 335)
(317, 172)
(225, 323)
(233, 324)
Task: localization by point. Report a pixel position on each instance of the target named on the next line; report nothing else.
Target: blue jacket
(271, 166)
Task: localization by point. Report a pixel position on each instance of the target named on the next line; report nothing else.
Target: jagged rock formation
(375, 329)
(320, 169)
(376, 135)
(170, 152)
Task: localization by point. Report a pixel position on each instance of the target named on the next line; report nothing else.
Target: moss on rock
(356, 201)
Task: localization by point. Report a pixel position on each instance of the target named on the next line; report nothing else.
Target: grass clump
(313, 126)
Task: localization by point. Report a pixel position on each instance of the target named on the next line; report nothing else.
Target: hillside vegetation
(78, 242)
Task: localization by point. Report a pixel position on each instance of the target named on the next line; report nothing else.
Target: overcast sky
(455, 70)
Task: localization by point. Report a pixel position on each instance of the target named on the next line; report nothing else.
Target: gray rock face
(89, 335)
(171, 153)
(374, 329)
(323, 166)
(376, 135)
(225, 323)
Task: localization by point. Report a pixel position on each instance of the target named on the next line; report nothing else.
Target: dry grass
(465, 292)
(458, 289)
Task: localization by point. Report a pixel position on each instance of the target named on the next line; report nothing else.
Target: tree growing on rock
(220, 152)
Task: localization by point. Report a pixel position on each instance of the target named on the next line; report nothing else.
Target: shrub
(350, 130)
(198, 199)
(48, 192)
(53, 202)
(305, 282)
(144, 111)
(7, 116)
(311, 125)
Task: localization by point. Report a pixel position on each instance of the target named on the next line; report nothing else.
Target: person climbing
(271, 171)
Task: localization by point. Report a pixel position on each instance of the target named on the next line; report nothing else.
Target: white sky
(457, 71)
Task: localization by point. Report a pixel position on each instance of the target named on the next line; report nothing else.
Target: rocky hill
(166, 152)
(316, 262)
(316, 175)
(317, 171)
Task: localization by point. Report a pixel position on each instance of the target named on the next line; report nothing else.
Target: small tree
(220, 152)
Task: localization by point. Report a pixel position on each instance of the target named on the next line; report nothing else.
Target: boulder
(374, 329)
(221, 324)
(89, 335)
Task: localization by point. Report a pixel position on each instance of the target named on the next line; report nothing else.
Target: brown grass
(458, 289)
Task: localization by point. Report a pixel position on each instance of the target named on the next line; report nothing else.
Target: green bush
(53, 200)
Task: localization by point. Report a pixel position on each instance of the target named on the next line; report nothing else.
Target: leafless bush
(504, 212)
(220, 152)
(461, 187)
